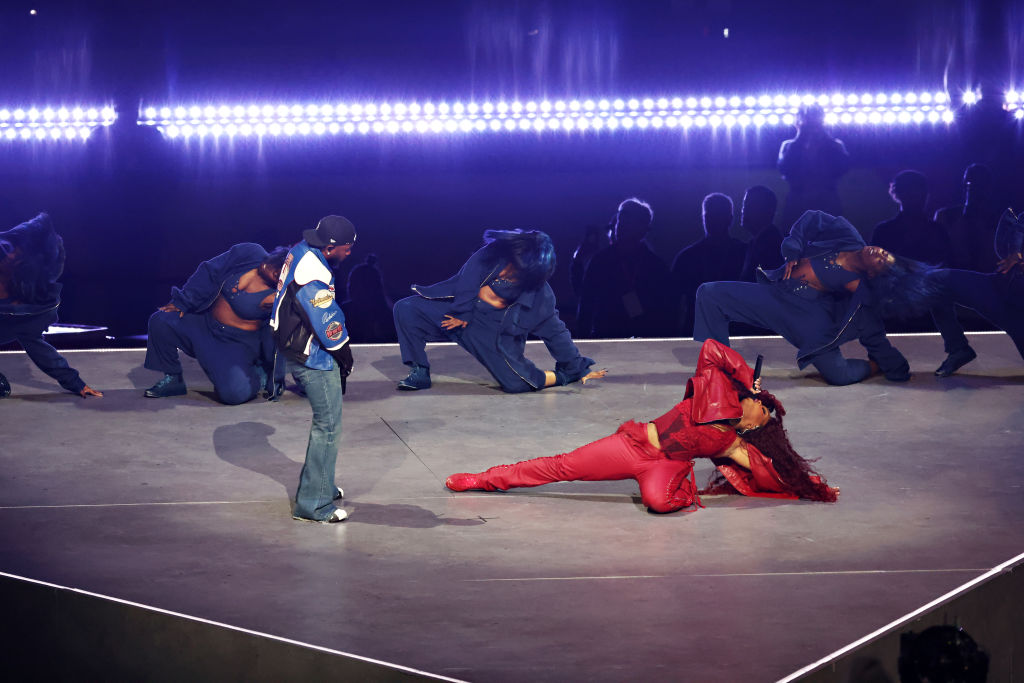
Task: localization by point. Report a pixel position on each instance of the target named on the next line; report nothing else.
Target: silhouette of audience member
(716, 256)
(368, 308)
(627, 290)
(911, 234)
(971, 226)
(595, 238)
(757, 217)
(812, 163)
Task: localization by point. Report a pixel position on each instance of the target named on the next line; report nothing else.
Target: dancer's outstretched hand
(789, 270)
(593, 374)
(88, 391)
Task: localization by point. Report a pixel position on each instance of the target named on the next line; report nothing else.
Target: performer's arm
(718, 356)
(570, 364)
(52, 363)
(323, 314)
(467, 283)
(200, 290)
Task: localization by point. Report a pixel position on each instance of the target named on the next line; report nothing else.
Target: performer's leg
(835, 369)
(946, 322)
(230, 364)
(611, 458)
(667, 485)
(763, 305)
(986, 294)
(479, 340)
(169, 332)
(890, 361)
(317, 488)
(418, 321)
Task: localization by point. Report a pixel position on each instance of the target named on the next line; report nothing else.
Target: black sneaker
(5, 387)
(955, 361)
(170, 385)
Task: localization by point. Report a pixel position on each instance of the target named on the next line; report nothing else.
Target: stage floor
(183, 504)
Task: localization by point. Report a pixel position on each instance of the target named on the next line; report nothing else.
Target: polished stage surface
(182, 504)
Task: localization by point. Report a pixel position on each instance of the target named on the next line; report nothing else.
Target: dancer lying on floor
(723, 416)
(219, 317)
(499, 298)
(31, 262)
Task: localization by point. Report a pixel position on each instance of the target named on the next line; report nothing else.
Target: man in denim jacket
(310, 331)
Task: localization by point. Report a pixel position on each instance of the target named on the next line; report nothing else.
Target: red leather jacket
(711, 387)
(713, 396)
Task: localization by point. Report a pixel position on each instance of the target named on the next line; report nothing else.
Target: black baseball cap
(331, 230)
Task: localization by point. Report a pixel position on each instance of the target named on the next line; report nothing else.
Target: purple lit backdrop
(138, 212)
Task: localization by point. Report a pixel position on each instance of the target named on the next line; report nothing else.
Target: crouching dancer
(724, 416)
(310, 330)
(219, 317)
(499, 297)
(31, 262)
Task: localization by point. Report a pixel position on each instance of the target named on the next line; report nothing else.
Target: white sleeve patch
(311, 269)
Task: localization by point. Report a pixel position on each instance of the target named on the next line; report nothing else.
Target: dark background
(138, 213)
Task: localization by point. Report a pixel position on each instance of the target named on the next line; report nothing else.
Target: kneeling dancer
(724, 416)
(219, 317)
(31, 262)
(499, 298)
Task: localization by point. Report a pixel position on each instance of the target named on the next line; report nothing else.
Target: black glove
(343, 357)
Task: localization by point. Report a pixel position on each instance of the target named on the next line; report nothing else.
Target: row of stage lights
(676, 113)
(63, 123)
(560, 115)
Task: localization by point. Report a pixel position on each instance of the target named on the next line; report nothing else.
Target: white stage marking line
(130, 505)
(853, 572)
(906, 618)
(238, 629)
(690, 576)
(566, 578)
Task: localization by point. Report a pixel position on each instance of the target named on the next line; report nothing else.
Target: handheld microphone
(757, 366)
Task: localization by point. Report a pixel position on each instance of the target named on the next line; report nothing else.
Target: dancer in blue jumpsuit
(219, 317)
(499, 298)
(820, 299)
(998, 297)
(31, 261)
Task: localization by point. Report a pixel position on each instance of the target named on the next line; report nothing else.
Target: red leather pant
(666, 485)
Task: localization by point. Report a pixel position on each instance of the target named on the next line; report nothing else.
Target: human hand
(757, 385)
(1009, 263)
(171, 308)
(593, 374)
(789, 270)
(452, 323)
(88, 391)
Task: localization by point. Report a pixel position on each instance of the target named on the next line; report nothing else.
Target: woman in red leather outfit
(723, 416)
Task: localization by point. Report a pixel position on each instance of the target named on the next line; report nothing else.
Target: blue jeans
(799, 320)
(228, 356)
(313, 499)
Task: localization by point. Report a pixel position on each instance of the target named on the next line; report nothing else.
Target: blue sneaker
(5, 387)
(419, 378)
(170, 385)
